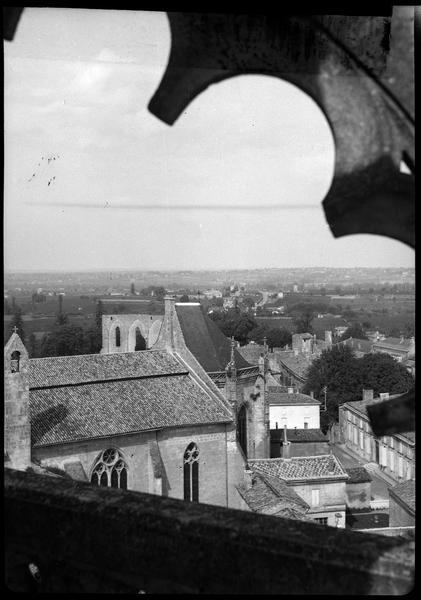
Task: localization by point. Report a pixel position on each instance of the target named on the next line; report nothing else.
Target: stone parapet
(85, 538)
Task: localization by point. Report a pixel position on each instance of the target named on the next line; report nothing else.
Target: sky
(236, 182)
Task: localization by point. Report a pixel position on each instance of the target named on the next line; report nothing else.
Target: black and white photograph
(209, 300)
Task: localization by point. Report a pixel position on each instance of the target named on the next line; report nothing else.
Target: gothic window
(191, 473)
(242, 429)
(110, 470)
(140, 343)
(117, 336)
(14, 362)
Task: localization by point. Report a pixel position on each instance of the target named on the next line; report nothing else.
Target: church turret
(231, 379)
(17, 434)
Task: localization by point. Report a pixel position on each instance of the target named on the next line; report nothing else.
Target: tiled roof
(205, 340)
(270, 495)
(405, 492)
(284, 398)
(297, 364)
(70, 370)
(394, 343)
(325, 466)
(299, 435)
(65, 414)
(251, 353)
(358, 475)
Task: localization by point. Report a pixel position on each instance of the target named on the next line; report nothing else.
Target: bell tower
(17, 434)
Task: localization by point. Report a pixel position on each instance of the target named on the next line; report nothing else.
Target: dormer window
(14, 362)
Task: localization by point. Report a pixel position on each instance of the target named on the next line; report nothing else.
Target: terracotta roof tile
(65, 414)
(299, 468)
(69, 370)
(405, 492)
(269, 495)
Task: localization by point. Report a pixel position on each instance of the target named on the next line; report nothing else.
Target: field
(39, 318)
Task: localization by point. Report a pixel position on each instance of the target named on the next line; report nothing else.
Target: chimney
(402, 339)
(368, 394)
(290, 390)
(265, 345)
(286, 445)
(328, 337)
(311, 394)
(295, 352)
(384, 395)
(377, 335)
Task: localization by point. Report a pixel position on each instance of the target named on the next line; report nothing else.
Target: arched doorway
(242, 428)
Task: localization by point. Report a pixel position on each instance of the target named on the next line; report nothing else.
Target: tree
(184, 298)
(32, 346)
(276, 338)
(338, 370)
(355, 331)
(100, 310)
(132, 289)
(61, 317)
(17, 322)
(64, 340)
(234, 323)
(382, 373)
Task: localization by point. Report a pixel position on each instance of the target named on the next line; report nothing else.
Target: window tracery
(191, 473)
(110, 470)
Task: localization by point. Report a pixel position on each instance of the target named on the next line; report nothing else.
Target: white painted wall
(295, 416)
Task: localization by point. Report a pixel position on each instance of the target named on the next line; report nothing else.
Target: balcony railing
(85, 538)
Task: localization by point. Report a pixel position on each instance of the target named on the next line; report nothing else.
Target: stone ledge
(96, 540)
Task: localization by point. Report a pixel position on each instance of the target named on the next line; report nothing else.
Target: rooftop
(205, 340)
(358, 475)
(299, 435)
(92, 410)
(298, 364)
(269, 495)
(405, 492)
(284, 398)
(325, 466)
(70, 370)
(395, 343)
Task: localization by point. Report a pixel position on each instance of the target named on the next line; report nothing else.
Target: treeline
(343, 376)
(65, 339)
(244, 328)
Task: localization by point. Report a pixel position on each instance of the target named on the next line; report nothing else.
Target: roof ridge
(99, 354)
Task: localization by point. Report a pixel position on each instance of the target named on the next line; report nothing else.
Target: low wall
(84, 538)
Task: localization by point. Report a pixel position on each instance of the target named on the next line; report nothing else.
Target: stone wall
(172, 443)
(331, 499)
(17, 428)
(101, 540)
(149, 326)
